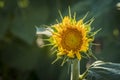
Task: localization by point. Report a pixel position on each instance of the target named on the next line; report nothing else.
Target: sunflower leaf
(104, 71)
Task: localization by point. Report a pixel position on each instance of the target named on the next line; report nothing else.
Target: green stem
(81, 77)
(75, 70)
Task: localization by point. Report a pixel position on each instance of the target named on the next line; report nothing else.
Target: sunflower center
(72, 39)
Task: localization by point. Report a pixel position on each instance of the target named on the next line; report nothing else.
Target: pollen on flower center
(71, 39)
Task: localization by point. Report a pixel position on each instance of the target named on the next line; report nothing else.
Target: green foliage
(104, 71)
(20, 54)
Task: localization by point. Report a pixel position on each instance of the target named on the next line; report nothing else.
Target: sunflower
(71, 38)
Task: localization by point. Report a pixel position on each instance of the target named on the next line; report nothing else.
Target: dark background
(21, 58)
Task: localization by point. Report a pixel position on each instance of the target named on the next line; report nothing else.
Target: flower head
(71, 38)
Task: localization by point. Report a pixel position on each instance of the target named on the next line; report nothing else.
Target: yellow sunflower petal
(60, 54)
(66, 20)
(71, 54)
(78, 56)
(80, 22)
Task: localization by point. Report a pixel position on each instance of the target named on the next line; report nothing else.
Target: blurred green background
(22, 58)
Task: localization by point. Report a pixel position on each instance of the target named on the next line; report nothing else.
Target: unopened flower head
(72, 38)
